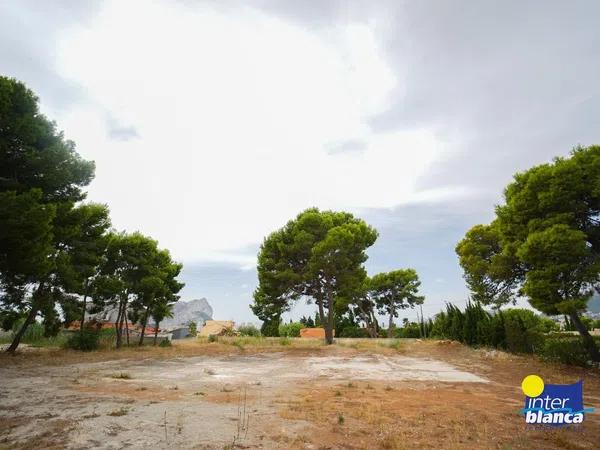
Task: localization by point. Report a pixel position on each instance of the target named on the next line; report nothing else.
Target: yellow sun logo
(532, 385)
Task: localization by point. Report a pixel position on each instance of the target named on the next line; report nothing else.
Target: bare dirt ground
(240, 394)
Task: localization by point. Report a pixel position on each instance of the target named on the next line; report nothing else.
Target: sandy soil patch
(427, 395)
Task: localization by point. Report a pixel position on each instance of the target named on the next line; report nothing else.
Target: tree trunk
(375, 325)
(144, 328)
(83, 313)
(324, 323)
(127, 328)
(118, 324)
(390, 325)
(588, 340)
(28, 321)
(329, 324)
(121, 323)
(156, 332)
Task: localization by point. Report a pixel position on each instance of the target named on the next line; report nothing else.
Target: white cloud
(234, 116)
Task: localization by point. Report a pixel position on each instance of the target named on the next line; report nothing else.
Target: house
(314, 333)
(179, 332)
(216, 327)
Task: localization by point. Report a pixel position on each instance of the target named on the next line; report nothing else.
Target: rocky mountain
(198, 310)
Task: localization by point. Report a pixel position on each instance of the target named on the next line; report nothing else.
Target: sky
(212, 123)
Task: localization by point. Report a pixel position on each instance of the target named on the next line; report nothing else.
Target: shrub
(290, 329)
(107, 337)
(34, 331)
(523, 334)
(564, 349)
(270, 328)
(548, 325)
(165, 343)
(85, 340)
(213, 338)
(229, 332)
(587, 322)
(410, 330)
(285, 341)
(248, 329)
(354, 332)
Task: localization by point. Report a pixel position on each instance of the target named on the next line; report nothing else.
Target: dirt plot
(353, 395)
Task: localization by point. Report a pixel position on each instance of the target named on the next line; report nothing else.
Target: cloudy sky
(214, 122)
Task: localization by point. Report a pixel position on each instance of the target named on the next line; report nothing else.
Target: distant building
(216, 327)
(179, 332)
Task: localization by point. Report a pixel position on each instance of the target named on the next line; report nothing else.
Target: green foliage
(568, 350)
(55, 249)
(213, 338)
(290, 329)
(248, 330)
(8, 318)
(85, 340)
(33, 153)
(26, 241)
(285, 341)
(516, 330)
(165, 343)
(308, 322)
(353, 331)
(408, 330)
(193, 327)
(33, 333)
(587, 322)
(319, 255)
(270, 328)
(489, 273)
(395, 290)
(137, 275)
(41, 177)
(520, 338)
(544, 242)
(547, 325)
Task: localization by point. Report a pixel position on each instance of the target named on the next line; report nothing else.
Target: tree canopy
(395, 290)
(319, 256)
(55, 250)
(544, 243)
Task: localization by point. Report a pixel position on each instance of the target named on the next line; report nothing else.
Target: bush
(270, 328)
(85, 340)
(165, 343)
(107, 337)
(564, 349)
(213, 338)
(285, 341)
(33, 333)
(248, 330)
(410, 330)
(548, 325)
(523, 330)
(354, 332)
(290, 329)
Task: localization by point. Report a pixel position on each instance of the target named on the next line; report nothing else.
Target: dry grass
(442, 415)
(371, 414)
(202, 347)
(119, 412)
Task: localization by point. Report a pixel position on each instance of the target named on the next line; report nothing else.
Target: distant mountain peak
(184, 312)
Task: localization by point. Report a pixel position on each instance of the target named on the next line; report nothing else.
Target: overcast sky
(214, 122)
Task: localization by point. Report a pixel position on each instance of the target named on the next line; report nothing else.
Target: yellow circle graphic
(532, 385)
